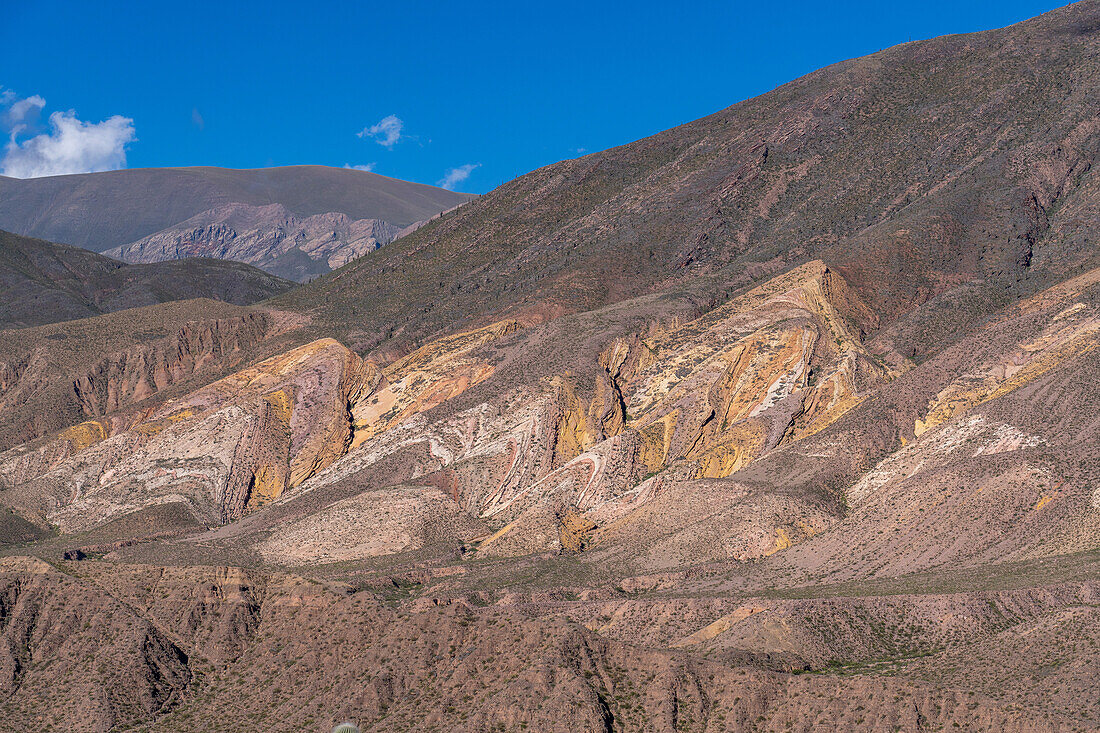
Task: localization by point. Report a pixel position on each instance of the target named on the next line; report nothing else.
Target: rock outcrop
(224, 450)
(549, 465)
(702, 399)
(269, 237)
(59, 375)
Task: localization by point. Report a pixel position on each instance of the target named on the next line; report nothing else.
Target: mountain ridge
(99, 211)
(43, 282)
(723, 200)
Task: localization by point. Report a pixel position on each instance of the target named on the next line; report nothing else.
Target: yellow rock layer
(280, 404)
(154, 426)
(655, 441)
(267, 485)
(1044, 500)
(828, 400)
(424, 379)
(584, 423)
(574, 435)
(1031, 362)
(85, 435)
(742, 358)
(721, 626)
(1068, 333)
(741, 444)
(782, 541)
(719, 434)
(323, 374)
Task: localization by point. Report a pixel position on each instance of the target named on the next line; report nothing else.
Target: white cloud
(21, 113)
(197, 120)
(368, 167)
(21, 109)
(455, 176)
(385, 132)
(71, 146)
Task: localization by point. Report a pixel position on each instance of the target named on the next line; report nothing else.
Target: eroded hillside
(786, 419)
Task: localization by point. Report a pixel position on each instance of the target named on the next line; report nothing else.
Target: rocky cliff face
(703, 399)
(59, 376)
(227, 449)
(269, 237)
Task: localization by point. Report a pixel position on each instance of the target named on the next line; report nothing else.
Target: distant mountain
(42, 282)
(99, 211)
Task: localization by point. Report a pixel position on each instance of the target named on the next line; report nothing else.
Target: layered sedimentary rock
(222, 451)
(545, 463)
(59, 375)
(424, 379)
(621, 455)
(654, 453)
(716, 391)
(1073, 330)
(653, 449)
(550, 464)
(984, 454)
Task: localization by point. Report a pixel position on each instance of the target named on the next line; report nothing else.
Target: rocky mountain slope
(269, 237)
(959, 168)
(42, 282)
(710, 462)
(61, 374)
(786, 419)
(204, 648)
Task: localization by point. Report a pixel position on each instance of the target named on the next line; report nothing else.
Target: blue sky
(491, 89)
